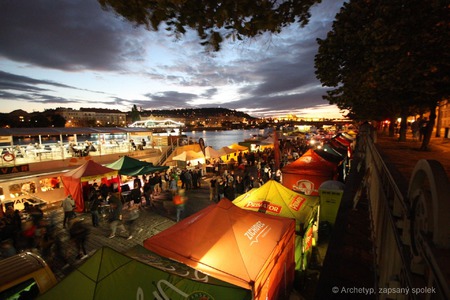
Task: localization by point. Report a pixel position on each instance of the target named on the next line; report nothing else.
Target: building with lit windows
(90, 117)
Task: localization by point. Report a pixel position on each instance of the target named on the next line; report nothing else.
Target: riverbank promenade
(150, 222)
(400, 157)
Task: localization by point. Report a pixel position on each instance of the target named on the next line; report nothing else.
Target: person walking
(79, 234)
(179, 201)
(68, 205)
(130, 215)
(115, 219)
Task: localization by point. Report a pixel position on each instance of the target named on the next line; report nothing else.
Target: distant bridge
(158, 124)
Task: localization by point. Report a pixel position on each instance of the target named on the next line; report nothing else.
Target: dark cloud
(166, 100)
(65, 35)
(209, 93)
(23, 88)
(13, 81)
(273, 72)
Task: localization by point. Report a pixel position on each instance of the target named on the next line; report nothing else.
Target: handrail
(397, 265)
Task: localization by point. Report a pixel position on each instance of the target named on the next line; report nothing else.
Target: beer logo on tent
(259, 229)
(306, 159)
(304, 186)
(263, 206)
(297, 202)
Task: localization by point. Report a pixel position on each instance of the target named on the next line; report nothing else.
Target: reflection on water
(221, 138)
(216, 139)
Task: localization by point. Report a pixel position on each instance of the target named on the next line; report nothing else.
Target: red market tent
(76, 181)
(245, 248)
(307, 173)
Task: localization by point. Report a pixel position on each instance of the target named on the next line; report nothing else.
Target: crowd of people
(30, 230)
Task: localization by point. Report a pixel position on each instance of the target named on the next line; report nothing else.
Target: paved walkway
(149, 223)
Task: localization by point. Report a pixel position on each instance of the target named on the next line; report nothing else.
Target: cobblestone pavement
(150, 222)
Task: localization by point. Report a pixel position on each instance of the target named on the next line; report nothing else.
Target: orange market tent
(275, 199)
(245, 248)
(308, 172)
(76, 181)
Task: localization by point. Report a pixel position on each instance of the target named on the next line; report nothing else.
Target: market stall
(77, 182)
(248, 249)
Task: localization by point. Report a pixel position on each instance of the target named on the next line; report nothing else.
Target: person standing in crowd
(239, 186)
(79, 234)
(137, 184)
(213, 189)
(95, 202)
(158, 184)
(104, 190)
(166, 181)
(278, 175)
(423, 128)
(220, 189)
(194, 175)
(153, 182)
(148, 190)
(179, 201)
(68, 205)
(173, 184)
(229, 192)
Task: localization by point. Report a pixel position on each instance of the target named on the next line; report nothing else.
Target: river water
(221, 138)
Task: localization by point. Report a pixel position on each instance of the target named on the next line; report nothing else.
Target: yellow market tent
(238, 147)
(275, 199)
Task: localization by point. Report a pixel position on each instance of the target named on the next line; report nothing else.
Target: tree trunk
(392, 128)
(403, 127)
(429, 131)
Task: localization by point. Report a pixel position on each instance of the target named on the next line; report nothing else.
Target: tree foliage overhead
(387, 58)
(214, 20)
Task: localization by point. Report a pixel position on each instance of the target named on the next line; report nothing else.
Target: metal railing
(408, 249)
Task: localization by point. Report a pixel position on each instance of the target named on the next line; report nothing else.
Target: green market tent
(132, 167)
(141, 274)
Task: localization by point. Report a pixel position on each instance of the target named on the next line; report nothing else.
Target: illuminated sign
(14, 169)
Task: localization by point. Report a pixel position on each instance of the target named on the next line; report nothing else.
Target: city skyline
(84, 56)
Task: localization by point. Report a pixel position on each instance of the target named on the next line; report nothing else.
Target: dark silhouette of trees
(135, 116)
(388, 59)
(214, 20)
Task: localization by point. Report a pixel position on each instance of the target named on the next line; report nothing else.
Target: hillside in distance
(196, 112)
